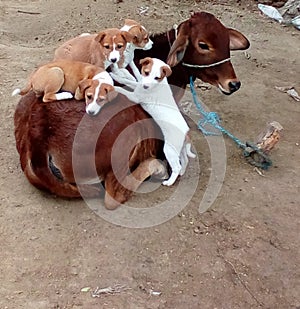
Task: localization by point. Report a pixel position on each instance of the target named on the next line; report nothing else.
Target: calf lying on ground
(45, 133)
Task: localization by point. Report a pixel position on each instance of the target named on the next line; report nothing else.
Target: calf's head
(113, 42)
(203, 46)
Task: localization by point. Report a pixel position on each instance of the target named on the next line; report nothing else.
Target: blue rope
(260, 160)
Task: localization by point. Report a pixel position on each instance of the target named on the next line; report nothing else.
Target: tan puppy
(72, 77)
(102, 49)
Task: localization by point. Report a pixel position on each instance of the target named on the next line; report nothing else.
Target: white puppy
(155, 96)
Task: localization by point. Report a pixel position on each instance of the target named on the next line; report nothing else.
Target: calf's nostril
(234, 86)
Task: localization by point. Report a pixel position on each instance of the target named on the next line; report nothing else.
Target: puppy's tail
(16, 91)
(23, 91)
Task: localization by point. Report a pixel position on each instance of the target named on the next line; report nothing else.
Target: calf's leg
(118, 193)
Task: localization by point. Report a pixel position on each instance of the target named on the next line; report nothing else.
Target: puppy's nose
(113, 60)
(91, 113)
(145, 87)
(234, 85)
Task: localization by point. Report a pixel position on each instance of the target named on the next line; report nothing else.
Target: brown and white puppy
(154, 94)
(140, 36)
(70, 77)
(97, 92)
(102, 49)
(140, 40)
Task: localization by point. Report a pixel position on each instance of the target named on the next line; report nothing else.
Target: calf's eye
(203, 45)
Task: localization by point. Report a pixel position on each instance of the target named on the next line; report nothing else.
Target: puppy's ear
(145, 61)
(129, 21)
(138, 37)
(127, 36)
(111, 92)
(135, 39)
(166, 70)
(82, 86)
(107, 92)
(100, 36)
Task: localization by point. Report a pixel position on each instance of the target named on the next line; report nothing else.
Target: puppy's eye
(119, 46)
(89, 96)
(203, 45)
(106, 46)
(146, 73)
(157, 78)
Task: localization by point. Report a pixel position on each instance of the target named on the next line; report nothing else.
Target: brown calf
(199, 47)
(45, 134)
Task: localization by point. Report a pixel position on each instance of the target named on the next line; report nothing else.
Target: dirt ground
(241, 253)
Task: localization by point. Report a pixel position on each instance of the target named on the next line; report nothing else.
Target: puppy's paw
(64, 95)
(183, 169)
(122, 76)
(172, 179)
(167, 183)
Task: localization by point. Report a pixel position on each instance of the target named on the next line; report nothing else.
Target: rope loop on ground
(252, 153)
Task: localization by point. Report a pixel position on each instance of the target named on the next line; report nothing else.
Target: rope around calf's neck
(202, 66)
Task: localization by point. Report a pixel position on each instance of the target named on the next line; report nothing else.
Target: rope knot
(213, 117)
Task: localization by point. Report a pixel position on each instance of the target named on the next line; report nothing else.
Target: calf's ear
(179, 46)
(237, 40)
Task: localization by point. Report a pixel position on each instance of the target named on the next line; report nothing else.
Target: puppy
(102, 49)
(97, 92)
(155, 96)
(140, 40)
(70, 77)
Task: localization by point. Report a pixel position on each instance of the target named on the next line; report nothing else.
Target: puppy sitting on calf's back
(83, 80)
(102, 49)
